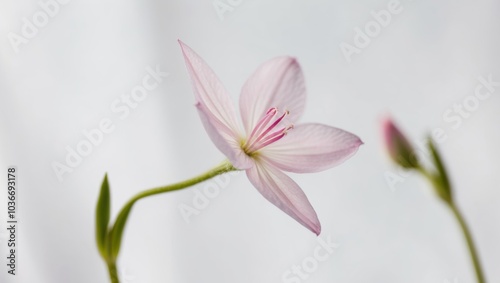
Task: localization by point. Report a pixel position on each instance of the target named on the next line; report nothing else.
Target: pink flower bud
(400, 150)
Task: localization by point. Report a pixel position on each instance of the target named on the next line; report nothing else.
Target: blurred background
(68, 69)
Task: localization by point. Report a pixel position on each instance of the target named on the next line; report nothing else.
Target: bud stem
(439, 181)
(113, 272)
(470, 243)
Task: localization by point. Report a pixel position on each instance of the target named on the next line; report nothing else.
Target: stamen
(262, 136)
(270, 141)
(263, 122)
(257, 145)
(259, 138)
(274, 137)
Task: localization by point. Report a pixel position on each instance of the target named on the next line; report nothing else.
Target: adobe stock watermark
(454, 280)
(463, 110)
(30, 27)
(203, 197)
(453, 117)
(363, 37)
(122, 107)
(223, 6)
(303, 270)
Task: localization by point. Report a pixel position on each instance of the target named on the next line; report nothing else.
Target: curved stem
(115, 233)
(224, 167)
(470, 243)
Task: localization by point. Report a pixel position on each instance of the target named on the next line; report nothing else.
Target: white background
(64, 79)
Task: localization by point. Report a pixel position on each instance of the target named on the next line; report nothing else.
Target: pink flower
(271, 101)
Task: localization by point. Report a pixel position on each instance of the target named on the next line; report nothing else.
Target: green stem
(224, 167)
(113, 272)
(114, 237)
(443, 189)
(470, 243)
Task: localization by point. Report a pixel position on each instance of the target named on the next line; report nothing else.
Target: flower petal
(210, 92)
(283, 192)
(222, 140)
(277, 83)
(311, 148)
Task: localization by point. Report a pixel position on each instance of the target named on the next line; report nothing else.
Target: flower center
(263, 135)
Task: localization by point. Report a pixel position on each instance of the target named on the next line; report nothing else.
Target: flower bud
(400, 150)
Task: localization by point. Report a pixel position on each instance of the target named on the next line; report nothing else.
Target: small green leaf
(116, 233)
(442, 178)
(102, 217)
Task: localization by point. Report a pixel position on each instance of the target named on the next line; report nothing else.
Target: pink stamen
(274, 137)
(261, 136)
(263, 122)
(257, 145)
(270, 141)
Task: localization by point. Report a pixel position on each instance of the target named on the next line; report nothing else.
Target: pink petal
(211, 94)
(283, 192)
(311, 148)
(215, 108)
(222, 140)
(277, 83)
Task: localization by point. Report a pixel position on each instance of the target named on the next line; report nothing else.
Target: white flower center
(263, 135)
